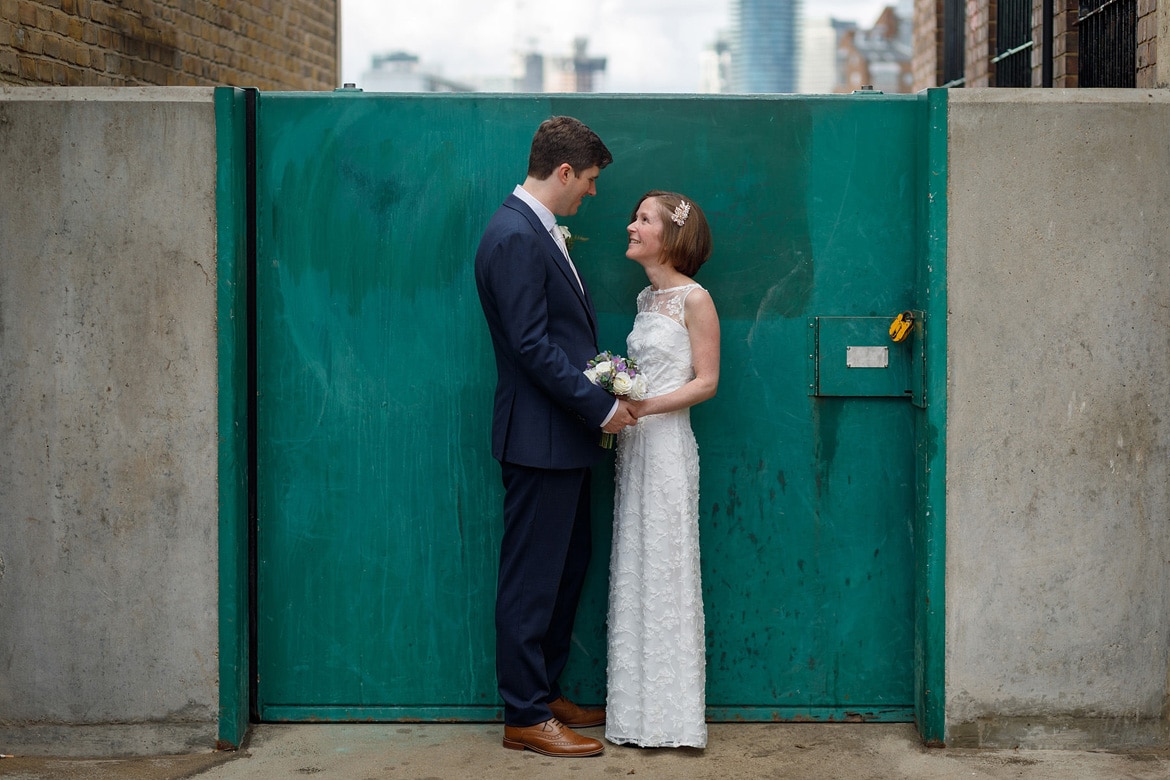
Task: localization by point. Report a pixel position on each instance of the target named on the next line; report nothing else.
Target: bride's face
(645, 233)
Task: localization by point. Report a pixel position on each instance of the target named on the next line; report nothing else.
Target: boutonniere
(569, 238)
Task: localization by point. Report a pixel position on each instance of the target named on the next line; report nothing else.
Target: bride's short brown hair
(686, 246)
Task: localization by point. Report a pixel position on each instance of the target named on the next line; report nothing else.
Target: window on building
(1013, 45)
(1107, 33)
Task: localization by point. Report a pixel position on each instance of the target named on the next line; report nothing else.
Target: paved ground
(734, 752)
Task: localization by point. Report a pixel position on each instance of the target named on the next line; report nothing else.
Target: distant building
(531, 78)
(820, 71)
(715, 66)
(840, 56)
(578, 72)
(399, 71)
(879, 57)
(765, 46)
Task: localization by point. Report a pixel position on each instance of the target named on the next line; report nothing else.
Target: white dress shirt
(549, 220)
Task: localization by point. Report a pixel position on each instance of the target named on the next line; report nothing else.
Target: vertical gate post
(232, 321)
(930, 519)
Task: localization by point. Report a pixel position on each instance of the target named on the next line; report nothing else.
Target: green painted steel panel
(231, 325)
(379, 502)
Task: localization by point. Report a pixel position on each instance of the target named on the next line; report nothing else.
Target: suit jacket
(544, 331)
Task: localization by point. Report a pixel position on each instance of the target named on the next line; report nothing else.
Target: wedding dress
(656, 647)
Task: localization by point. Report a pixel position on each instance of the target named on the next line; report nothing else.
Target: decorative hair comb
(681, 212)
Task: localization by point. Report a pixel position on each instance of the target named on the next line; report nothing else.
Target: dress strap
(682, 302)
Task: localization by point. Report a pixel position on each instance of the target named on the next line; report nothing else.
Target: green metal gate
(378, 502)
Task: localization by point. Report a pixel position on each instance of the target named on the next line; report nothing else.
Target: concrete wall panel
(1058, 432)
(108, 503)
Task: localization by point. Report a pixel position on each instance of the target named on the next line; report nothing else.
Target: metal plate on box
(867, 357)
(838, 345)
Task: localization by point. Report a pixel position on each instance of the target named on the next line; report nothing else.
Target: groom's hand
(624, 416)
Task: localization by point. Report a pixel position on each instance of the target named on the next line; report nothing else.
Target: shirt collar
(547, 218)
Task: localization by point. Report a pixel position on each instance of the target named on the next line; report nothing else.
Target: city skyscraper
(765, 49)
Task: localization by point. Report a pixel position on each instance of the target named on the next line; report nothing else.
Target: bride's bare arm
(703, 327)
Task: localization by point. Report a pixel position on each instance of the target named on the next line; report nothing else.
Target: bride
(656, 646)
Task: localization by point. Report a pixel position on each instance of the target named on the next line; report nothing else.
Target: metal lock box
(856, 357)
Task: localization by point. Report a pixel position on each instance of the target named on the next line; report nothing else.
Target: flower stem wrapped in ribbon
(617, 375)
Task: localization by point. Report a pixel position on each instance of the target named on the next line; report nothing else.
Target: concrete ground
(735, 752)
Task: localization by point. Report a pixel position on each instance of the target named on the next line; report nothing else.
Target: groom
(546, 427)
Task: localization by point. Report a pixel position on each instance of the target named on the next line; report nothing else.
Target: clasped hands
(626, 415)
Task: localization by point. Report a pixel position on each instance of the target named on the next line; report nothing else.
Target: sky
(650, 45)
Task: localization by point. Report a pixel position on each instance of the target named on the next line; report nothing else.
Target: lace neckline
(669, 301)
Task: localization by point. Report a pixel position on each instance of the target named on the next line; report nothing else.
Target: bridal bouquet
(618, 375)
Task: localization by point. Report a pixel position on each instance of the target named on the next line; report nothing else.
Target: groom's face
(577, 187)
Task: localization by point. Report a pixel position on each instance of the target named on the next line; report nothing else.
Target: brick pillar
(927, 35)
(1147, 44)
(1037, 43)
(980, 43)
(1163, 63)
(1064, 44)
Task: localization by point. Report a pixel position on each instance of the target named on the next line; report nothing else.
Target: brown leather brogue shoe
(551, 739)
(576, 717)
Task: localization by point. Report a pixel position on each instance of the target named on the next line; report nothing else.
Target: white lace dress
(656, 646)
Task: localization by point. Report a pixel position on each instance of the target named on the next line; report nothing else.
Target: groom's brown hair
(563, 139)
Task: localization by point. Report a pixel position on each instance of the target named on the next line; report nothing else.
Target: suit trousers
(544, 554)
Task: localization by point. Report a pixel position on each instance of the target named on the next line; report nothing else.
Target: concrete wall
(1058, 429)
(108, 423)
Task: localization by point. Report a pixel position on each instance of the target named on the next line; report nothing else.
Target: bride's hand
(637, 408)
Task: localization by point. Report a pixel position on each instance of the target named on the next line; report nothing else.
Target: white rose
(622, 384)
(604, 368)
(591, 375)
(638, 391)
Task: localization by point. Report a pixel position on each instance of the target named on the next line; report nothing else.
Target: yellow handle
(901, 326)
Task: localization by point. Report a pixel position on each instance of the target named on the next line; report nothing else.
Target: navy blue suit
(546, 428)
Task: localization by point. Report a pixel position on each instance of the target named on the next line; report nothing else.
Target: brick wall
(1065, 47)
(1147, 44)
(1038, 46)
(269, 44)
(981, 43)
(980, 40)
(927, 33)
